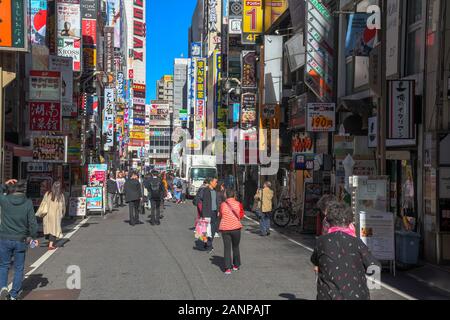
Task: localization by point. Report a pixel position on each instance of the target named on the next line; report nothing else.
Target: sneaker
(228, 271)
(235, 268)
(4, 294)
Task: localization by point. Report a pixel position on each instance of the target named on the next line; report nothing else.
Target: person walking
(120, 183)
(18, 226)
(156, 192)
(209, 210)
(231, 213)
(133, 196)
(264, 197)
(183, 190)
(177, 187)
(53, 209)
(342, 261)
(112, 191)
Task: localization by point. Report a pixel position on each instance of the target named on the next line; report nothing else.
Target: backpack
(155, 188)
(179, 184)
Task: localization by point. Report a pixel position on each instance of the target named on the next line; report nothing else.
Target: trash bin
(407, 247)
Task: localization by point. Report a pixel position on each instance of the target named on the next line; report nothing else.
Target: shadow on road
(290, 296)
(218, 261)
(33, 282)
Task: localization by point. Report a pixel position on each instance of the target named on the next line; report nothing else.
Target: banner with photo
(94, 198)
(50, 149)
(68, 24)
(38, 21)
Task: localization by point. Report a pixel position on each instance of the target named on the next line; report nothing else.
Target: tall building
(164, 88)
(180, 91)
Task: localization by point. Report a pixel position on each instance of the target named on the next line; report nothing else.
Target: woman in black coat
(342, 260)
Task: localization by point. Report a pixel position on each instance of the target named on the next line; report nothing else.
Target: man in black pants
(133, 196)
(210, 208)
(156, 193)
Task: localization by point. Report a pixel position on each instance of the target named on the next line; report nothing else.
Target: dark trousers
(231, 240)
(134, 207)
(214, 228)
(121, 196)
(156, 211)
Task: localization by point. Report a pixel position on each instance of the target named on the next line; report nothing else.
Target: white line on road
(388, 287)
(48, 254)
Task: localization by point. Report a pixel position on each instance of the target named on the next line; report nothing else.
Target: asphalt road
(117, 261)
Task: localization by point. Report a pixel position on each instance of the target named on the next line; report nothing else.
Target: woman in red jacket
(231, 213)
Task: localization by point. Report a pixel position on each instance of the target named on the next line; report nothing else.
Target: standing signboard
(77, 206)
(321, 117)
(94, 198)
(376, 230)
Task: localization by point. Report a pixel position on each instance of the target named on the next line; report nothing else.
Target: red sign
(136, 143)
(45, 116)
(131, 74)
(89, 31)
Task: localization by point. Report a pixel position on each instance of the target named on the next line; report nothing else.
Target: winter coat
(55, 214)
(207, 204)
(342, 261)
(18, 220)
(265, 196)
(133, 190)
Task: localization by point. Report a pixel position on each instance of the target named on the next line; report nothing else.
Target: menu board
(376, 230)
(313, 193)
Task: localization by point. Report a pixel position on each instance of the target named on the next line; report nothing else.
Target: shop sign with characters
(321, 117)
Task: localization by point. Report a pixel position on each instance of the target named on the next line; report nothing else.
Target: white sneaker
(217, 235)
(4, 294)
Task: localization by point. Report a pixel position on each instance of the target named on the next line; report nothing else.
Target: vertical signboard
(38, 22)
(249, 80)
(252, 20)
(108, 119)
(319, 50)
(139, 31)
(13, 25)
(68, 31)
(64, 66)
(109, 49)
(200, 99)
(214, 24)
(401, 110)
(392, 34)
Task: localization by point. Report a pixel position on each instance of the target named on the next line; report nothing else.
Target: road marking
(386, 286)
(39, 262)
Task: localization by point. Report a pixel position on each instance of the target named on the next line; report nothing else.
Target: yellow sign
(137, 135)
(273, 10)
(168, 78)
(252, 20)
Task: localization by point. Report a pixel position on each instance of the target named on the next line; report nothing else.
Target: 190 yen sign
(321, 117)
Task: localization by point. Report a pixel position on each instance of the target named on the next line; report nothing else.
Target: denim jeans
(110, 202)
(265, 223)
(9, 249)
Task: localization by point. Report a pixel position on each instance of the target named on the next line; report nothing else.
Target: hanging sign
(50, 149)
(321, 117)
(401, 110)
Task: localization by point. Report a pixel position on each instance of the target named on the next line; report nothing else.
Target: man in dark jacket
(18, 227)
(112, 190)
(133, 196)
(156, 193)
(210, 208)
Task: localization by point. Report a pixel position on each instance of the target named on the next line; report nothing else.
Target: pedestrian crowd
(340, 259)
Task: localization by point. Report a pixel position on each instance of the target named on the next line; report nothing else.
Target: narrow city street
(147, 262)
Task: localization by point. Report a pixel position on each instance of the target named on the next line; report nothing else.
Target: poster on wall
(45, 116)
(94, 198)
(38, 21)
(376, 230)
(321, 117)
(45, 85)
(359, 40)
(14, 26)
(50, 149)
(77, 206)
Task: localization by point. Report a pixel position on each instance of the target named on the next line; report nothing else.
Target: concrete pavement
(118, 261)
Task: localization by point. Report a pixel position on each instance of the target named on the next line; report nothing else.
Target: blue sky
(167, 37)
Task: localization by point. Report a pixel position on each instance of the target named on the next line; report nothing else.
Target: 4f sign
(252, 21)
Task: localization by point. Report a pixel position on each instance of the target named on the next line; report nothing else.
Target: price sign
(321, 117)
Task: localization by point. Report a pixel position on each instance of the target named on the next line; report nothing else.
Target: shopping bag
(168, 196)
(201, 230)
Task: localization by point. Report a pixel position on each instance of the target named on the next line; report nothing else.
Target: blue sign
(196, 50)
(304, 161)
(360, 40)
(139, 122)
(236, 112)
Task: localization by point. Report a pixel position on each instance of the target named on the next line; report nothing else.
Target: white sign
(77, 207)
(392, 23)
(376, 230)
(65, 66)
(45, 86)
(70, 48)
(108, 120)
(321, 117)
(401, 110)
(235, 26)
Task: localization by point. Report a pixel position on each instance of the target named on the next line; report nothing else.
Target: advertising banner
(89, 58)
(72, 128)
(45, 116)
(137, 135)
(45, 85)
(200, 89)
(50, 149)
(97, 174)
(319, 48)
(248, 112)
(108, 118)
(252, 20)
(120, 87)
(94, 198)
(13, 30)
(88, 9)
(38, 13)
(400, 113)
(89, 32)
(273, 10)
(68, 17)
(64, 66)
(137, 25)
(321, 117)
(302, 142)
(109, 49)
(249, 70)
(77, 207)
(360, 40)
(159, 115)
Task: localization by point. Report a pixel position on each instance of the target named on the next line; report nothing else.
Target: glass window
(414, 43)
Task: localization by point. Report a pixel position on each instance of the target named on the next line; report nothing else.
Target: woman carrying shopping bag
(52, 210)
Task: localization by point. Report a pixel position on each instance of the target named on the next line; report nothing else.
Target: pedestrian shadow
(33, 282)
(62, 242)
(218, 261)
(290, 296)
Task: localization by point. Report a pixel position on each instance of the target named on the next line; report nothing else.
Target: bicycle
(287, 212)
